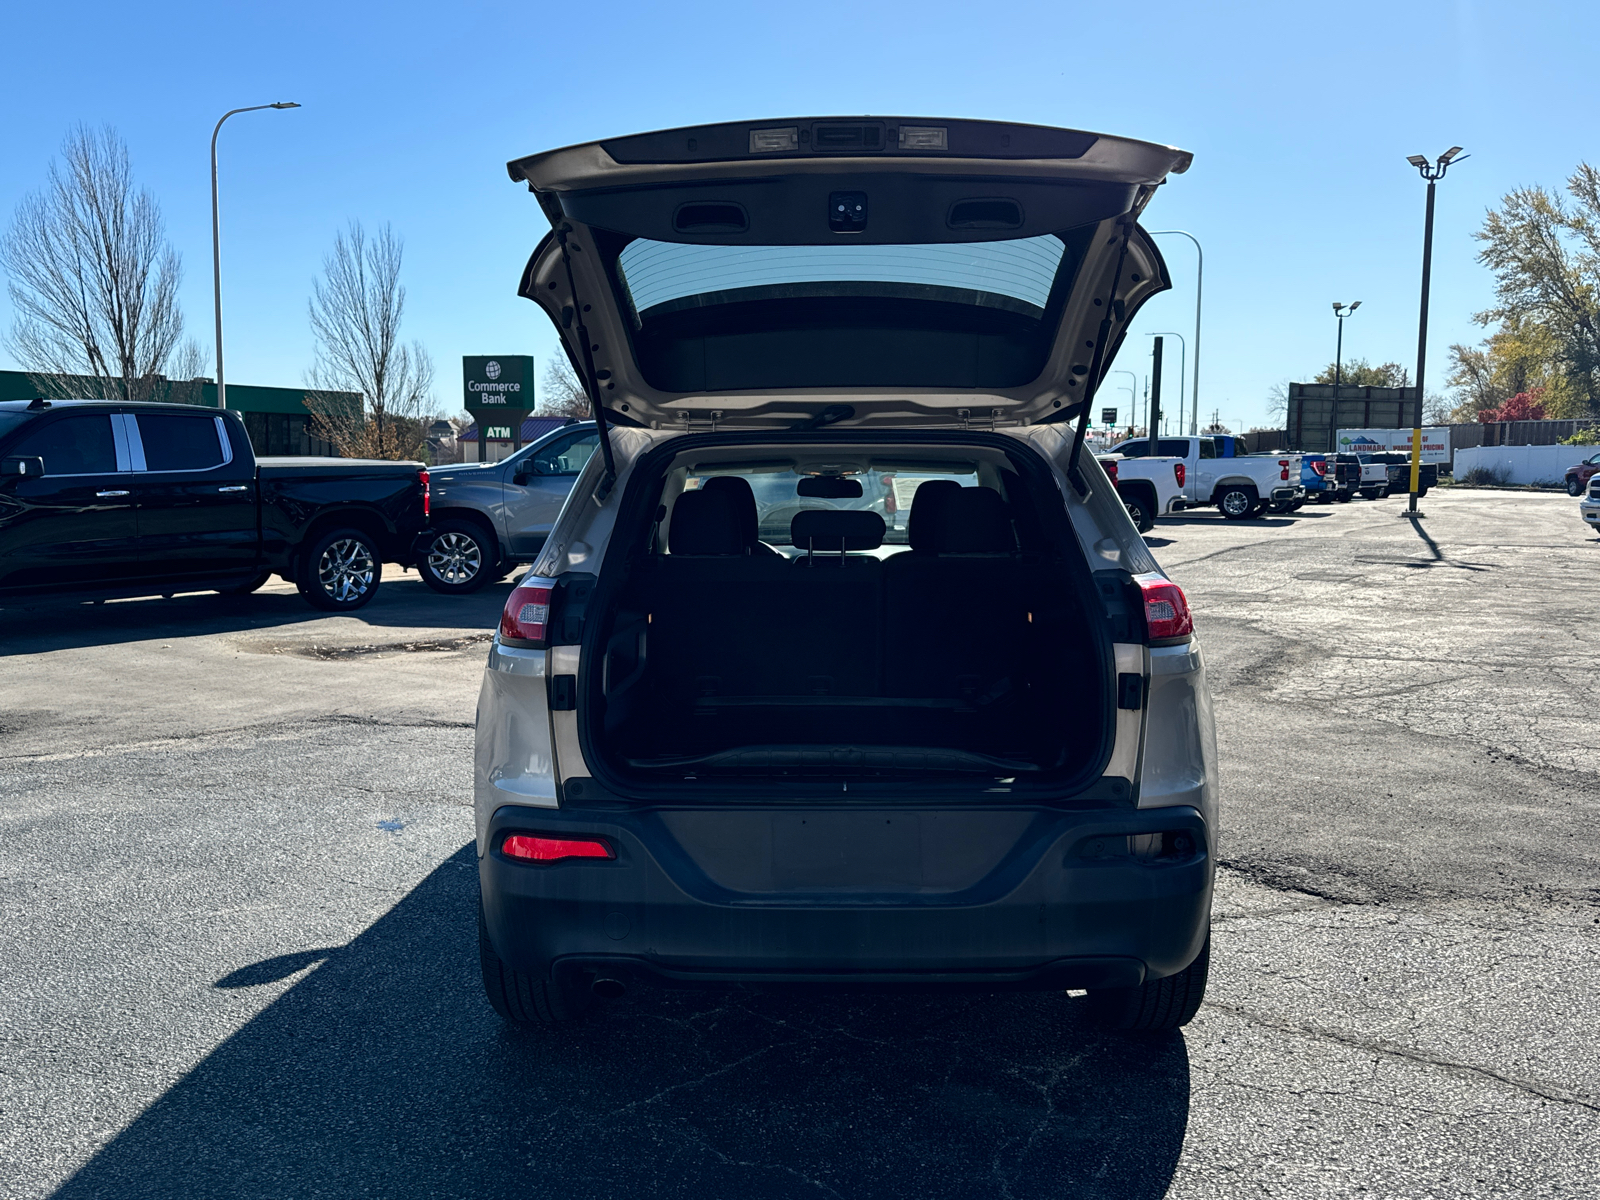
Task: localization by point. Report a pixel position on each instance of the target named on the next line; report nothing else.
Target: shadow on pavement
(64, 622)
(384, 1073)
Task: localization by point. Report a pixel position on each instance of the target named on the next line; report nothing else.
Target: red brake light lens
(527, 613)
(427, 497)
(1166, 610)
(1319, 466)
(1284, 463)
(1111, 470)
(1179, 471)
(533, 847)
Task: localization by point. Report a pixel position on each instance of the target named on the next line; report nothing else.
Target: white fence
(1522, 464)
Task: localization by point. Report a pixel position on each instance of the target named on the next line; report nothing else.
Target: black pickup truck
(135, 499)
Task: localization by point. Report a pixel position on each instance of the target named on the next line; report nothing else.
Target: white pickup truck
(1241, 485)
(1149, 487)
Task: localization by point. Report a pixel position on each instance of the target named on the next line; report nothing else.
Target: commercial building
(276, 418)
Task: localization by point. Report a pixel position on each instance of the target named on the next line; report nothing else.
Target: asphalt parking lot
(237, 890)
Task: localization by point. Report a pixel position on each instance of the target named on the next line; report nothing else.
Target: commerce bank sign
(501, 382)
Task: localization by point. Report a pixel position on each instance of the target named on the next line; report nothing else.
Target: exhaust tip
(609, 989)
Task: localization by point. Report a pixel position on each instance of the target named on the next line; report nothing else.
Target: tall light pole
(1183, 360)
(216, 239)
(1432, 172)
(1341, 311)
(1199, 283)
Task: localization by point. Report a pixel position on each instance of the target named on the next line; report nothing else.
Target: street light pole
(1341, 311)
(216, 239)
(1183, 368)
(1199, 284)
(1133, 395)
(1432, 172)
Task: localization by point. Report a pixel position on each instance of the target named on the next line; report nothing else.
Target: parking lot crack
(1396, 1051)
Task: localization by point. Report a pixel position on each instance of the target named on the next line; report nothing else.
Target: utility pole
(1155, 393)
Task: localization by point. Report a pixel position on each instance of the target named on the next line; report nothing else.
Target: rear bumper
(697, 898)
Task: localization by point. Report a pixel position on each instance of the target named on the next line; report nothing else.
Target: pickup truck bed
(105, 498)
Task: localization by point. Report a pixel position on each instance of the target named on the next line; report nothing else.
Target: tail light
(526, 618)
(1111, 469)
(427, 497)
(1320, 467)
(1179, 471)
(1284, 463)
(1166, 610)
(534, 847)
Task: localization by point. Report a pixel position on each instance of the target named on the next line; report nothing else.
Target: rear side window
(72, 446)
(1208, 448)
(180, 443)
(1174, 447)
(1135, 449)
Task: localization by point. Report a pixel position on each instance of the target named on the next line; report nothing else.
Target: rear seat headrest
(976, 521)
(925, 527)
(737, 490)
(830, 530)
(704, 523)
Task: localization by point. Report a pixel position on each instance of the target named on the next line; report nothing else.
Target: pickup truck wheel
(521, 999)
(457, 557)
(1157, 1006)
(245, 588)
(341, 571)
(1238, 501)
(1139, 509)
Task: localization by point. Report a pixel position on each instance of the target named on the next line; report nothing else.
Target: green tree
(1357, 372)
(1544, 249)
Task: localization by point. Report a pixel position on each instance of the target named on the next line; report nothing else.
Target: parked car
(984, 760)
(1242, 486)
(1589, 506)
(1578, 476)
(1371, 477)
(1149, 487)
(488, 517)
(135, 499)
(1397, 466)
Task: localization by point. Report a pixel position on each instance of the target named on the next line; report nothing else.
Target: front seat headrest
(834, 530)
(976, 521)
(925, 525)
(704, 523)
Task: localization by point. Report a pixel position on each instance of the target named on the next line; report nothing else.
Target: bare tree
(92, 278)
(563, 394)
(356, 310)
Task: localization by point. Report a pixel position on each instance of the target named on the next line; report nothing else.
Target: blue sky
(1300, 117)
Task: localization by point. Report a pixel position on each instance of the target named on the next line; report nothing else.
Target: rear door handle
(109, 495)
(243, 487)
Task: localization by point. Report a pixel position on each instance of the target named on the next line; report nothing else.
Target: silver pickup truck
(488, 517)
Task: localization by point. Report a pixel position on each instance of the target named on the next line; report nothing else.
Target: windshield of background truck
(887, 493)
(966, 314)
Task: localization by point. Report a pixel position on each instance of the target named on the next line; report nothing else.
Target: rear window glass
(717, 317)
(887, 493)
(71, 446)
(179, 443)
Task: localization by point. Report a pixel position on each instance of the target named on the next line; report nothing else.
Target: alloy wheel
(455, 558)
(346, 569)
(1236, 504)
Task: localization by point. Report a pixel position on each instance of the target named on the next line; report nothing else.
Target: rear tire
(1140, 511)
(1238, 502)
(1157, 1006)
(341, 571)
(521, 999)
(1574, 488)
(457, 558)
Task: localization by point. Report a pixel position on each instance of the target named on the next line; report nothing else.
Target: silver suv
(943, 724)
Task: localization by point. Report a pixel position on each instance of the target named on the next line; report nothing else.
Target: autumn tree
(356, 311)
(93, 280)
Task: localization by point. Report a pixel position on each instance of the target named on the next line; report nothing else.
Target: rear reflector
(527, 613)
(1166, 610)
(532, 847)
(1179, 471)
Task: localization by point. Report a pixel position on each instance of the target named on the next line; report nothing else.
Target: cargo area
(863, 617)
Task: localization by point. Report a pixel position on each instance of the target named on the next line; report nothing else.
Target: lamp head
(284, 104)
(1416, 160)
(1337, 305)
(1355, 306)
(1449, 154)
